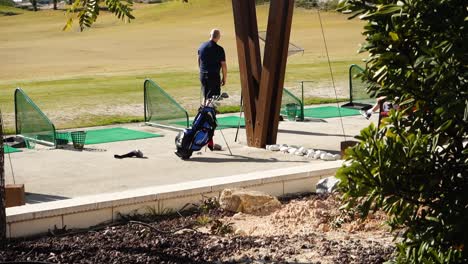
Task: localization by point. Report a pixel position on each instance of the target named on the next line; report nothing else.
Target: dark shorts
(211, 84)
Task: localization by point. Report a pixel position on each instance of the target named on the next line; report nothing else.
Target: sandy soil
(319, 219)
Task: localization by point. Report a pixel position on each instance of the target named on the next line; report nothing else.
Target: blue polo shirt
(211, 55)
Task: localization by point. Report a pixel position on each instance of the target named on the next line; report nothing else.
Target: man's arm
(199, 62)
(224, 70)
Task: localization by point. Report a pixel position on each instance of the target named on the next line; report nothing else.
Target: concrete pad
(56, 174)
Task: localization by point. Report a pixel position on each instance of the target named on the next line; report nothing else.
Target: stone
(292, 150)
(248, 201)
(284, 149)
(326, 156)
(327, 185)
(302, 150)
(317, 154)
(337, 156)
(298, 153)
(274, 147)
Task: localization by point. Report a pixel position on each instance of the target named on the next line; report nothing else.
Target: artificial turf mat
(329, 111)
(7, 149)
(230, 121)
(223, 122)
(106, 135)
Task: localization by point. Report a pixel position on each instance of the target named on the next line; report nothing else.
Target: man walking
(212, 59)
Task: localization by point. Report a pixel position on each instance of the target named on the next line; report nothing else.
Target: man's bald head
(215, 34)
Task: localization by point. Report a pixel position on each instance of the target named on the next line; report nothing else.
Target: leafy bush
(414, 167)
(7, 3)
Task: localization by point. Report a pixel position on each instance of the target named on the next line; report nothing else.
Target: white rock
(298, 153)
(327, 185)
(292, 150)
(274, 147)
(284, 149)
(316, 155)
(303, 150)
(326, 156)
(310, 155)
(309, 151)
(337, 156)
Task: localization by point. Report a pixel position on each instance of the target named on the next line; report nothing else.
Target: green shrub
(7, 3)
(414, 167)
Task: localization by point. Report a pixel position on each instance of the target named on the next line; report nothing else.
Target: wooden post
(248, 50)
(274, 67)
(262, 87)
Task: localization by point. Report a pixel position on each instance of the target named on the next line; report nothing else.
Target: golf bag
(201, 132)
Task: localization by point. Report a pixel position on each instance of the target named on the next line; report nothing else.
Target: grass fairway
(96, 77)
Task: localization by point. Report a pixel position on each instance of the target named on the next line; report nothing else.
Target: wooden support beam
(248, 50)
(273, 71)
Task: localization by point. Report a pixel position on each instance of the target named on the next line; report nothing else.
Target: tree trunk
(55, 4)
(3, 223)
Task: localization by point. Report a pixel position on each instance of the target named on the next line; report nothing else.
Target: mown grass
(81, 73)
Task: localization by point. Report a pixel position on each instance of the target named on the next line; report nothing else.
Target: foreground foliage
(414, 167)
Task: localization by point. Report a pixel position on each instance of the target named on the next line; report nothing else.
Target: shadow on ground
(34, 198)
(238, 158)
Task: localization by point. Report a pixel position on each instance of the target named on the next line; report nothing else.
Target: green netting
(357, 87)
(291, 106)
(160, 108)
(30, 121)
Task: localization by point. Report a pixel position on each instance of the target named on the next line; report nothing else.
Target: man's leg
(213, 85)
(214, 89)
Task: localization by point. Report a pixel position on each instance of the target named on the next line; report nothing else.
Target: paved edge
(88, 211)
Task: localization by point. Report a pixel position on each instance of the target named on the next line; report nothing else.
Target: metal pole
(227, 145)
(240, 116)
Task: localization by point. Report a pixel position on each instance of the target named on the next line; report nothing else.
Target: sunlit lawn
(77, 72)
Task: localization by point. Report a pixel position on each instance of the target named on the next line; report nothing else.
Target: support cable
(331, 73)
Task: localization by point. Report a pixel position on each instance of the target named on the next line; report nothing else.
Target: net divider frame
(301, 103)
(33, 105)
(351, 80)
(351, 103)
(297, 49)
(147, 122)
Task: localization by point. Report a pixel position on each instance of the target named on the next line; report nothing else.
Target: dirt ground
(307, 229)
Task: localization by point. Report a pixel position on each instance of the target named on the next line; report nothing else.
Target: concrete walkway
(55, 174)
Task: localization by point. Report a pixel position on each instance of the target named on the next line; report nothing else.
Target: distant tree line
(309, 4)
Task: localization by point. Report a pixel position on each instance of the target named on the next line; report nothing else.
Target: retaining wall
(88, 211)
